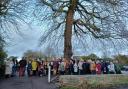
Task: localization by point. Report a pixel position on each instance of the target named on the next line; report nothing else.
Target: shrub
(2, 69)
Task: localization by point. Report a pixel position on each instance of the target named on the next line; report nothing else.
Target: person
(22, 67)
(66, 65)
(51, 64)
(41, 69)
(80, 67)
(98, 67)
(111, 68)
(45, 67)
(75, 66)
(34, 67)
(71, 69)
(61, 68)
(29, 68)
(55, 67)
(14, 67)
(86, 67)
(117, 67)
(93, 67)
(17, 66)
(8, 68)
(104, 67)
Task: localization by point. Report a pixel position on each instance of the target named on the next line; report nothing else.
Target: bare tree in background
(98, 19)
(49, 52)
(30, 54)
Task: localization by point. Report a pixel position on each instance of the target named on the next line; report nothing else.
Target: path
(27, 83)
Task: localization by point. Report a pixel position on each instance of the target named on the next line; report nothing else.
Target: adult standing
(67, 67)
(34, 67)
(111, 68)
(117, 67)
(80, 67)
(40, 69)
(61, 68)
(8, 68)
(75, 66)
(71, 69)
(22, 67)
(104, 66)
(55, 66)
(45, 67)
(93, 67)
(29, 68)
(98, 67)
(14, 67)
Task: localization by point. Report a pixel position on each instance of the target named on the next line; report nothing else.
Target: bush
(2, 69)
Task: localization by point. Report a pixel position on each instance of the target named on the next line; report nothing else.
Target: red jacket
(98, 68)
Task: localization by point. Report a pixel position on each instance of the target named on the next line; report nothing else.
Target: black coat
(23, 63)
(86, 68)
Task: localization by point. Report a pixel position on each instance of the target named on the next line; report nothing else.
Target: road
(27, 83)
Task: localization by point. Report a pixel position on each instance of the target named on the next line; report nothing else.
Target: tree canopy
(91, 56)
(86, 21)
(3, 54)
(123, 59)
(100, 18)
(97, 20)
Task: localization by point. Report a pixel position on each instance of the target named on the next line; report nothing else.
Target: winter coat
(34, 65)
(80, 65)
(86, 68)
(61, 66)
(92, 66)
(111, 68)
(98, 68)
(29, 66)
(75, 66)
(8, 68)
(23, 63)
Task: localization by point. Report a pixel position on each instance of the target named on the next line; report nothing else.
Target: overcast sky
(30, 39)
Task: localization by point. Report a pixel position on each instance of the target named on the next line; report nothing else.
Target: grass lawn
(92, 81)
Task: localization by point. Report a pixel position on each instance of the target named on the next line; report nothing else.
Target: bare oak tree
(100, 19)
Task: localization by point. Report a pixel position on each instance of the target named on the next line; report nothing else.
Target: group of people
(61, 67)
(81, 67)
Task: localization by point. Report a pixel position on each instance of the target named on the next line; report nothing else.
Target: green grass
(93, 82)
(68, 87)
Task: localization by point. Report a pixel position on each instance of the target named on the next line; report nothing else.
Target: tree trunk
(68, 30)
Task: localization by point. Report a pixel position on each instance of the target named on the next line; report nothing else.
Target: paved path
(26, 83)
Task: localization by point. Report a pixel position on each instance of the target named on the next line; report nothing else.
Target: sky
(29, 40)
(29, 37)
